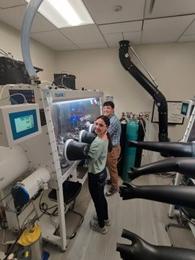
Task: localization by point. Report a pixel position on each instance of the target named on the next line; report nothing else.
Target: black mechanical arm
(178, 195)
(158, 97)
(176, 149)
(182, 165)
(139, 249)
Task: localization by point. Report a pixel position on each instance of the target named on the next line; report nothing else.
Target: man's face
(108, 110)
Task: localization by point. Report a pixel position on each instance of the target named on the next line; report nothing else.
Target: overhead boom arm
(158, 97)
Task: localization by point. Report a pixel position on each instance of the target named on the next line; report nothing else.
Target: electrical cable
(16, 94)
(143, 65)
(31, 212)
(10, 250)
(22, 229)
(44, 208)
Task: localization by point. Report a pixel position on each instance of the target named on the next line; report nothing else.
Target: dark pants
(96, 184)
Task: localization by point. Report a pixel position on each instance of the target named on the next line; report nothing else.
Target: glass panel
(69, 117)
(191, 137)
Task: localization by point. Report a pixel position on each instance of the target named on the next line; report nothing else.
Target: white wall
(101, 69)
(41, 56)
(172, 65)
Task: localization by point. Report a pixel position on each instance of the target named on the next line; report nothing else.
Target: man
(113, 156)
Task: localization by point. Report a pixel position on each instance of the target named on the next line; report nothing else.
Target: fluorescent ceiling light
(65, 13)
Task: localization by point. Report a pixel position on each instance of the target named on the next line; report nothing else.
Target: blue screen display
(184, 109)
(23, 123)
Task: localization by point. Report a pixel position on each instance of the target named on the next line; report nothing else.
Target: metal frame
(184, 139)
(149, 85)
(42, 151)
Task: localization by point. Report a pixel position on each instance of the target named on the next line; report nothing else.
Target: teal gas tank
(130, 152)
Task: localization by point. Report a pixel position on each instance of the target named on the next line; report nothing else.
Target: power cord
(16, 94)
(44, 208)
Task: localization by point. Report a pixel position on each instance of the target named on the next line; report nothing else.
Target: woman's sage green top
(97, 155)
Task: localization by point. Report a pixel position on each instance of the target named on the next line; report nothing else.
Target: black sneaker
(106, 221)
(111, 191)
(94, 226)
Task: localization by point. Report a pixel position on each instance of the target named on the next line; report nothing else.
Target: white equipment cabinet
(63, 113)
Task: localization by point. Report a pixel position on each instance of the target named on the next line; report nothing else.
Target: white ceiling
(169, 21)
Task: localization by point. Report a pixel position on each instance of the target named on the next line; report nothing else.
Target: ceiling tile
(187, 38)
(170, 8)
(14, 18)
(103, 11)
(93, 45)
(165, 29)
(191, 29)
(10, 3)
(111, 26)
(121, 27)
(114, 38)
(41, 24)
(54, 40)
(133, 37)
(84, 34)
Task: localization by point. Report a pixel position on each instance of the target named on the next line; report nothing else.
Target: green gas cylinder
(130, 152)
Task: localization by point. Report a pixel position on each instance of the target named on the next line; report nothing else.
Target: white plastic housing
(18, 123)
(13, 163)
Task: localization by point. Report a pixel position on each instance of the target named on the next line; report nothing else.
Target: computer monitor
(187, 108)
(18, 123)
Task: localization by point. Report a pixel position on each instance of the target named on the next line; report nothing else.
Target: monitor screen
(23, 123)
(184, 109)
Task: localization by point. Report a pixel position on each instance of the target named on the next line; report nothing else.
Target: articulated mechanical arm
(139, 249)
(178, 195)
(176, 149)
(182, 165)
(158, 97)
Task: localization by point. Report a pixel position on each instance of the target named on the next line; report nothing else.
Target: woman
(97, 173)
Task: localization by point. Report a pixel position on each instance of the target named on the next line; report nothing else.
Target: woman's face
(100, 127)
